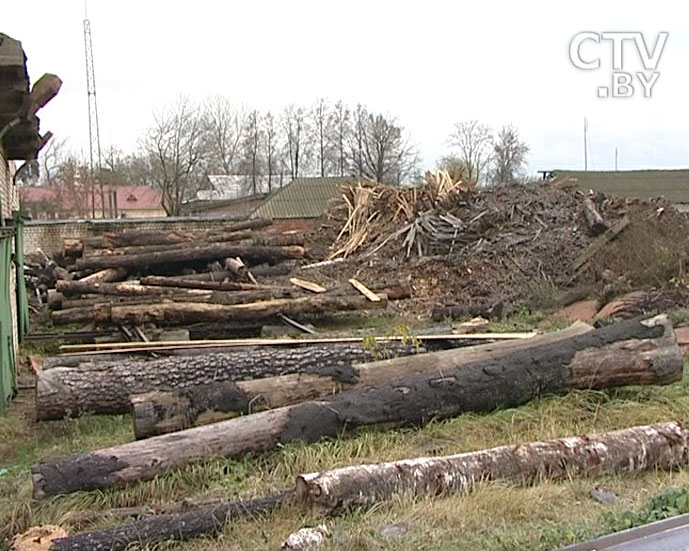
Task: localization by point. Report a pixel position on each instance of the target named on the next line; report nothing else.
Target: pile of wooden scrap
(285, 402)
(509, 244)
(234, 278)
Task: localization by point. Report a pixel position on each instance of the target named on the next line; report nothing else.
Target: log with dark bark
(255, 255)
(280, 240)
(660, 446)
(196, 242)
(262, 270)
(147, 237)
(647, 348)
(208, 285)
(183, 526)
(594, 220)
(159, 412)
(100, 311)
(180, 313)
(104, 387)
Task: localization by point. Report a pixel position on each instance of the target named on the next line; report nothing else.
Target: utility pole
(615, 158)
(94, 131)
(586, 153)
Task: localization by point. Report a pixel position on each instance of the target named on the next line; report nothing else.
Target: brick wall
(47, 234)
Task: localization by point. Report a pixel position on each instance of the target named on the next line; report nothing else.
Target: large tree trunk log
(482, 386)
(661, 446)
(176, 313)
(105, 387)
(105, 276)
(166, 527)
(252, 254)
(159, 412)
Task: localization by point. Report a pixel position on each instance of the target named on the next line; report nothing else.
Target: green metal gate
(8, 372)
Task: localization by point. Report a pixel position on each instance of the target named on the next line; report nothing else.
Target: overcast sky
(430, 63)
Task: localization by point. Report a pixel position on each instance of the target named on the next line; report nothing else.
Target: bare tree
(321, 117)
(223, 133)
(382, 153)
(174, 149)
(298, 146)
(270, 139)
(340, 133)
(51, 157)
(252, 148)
(509, 156)
(357, 139)
(474, 144)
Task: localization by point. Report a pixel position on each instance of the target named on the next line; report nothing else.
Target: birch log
(659, 446)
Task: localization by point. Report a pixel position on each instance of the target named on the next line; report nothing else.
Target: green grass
(494, 516)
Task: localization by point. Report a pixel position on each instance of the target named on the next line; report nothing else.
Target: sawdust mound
(512, 243)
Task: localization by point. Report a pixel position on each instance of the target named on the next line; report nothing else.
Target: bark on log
(262, 270)
(159, 412)
(198, 241)
(237, 268)
(208, 285)
(593, 218)
(71, 247)
(251, 254)
(166, 527)
(104, 387)
(659, 446)
(584, 361)
(176, 313)
(145, 237)
(138, 305)
(280, 240)
(105, 276)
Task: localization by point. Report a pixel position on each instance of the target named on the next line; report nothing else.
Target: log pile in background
(139, 278)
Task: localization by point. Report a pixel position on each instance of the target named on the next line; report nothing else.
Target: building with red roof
(45, 202)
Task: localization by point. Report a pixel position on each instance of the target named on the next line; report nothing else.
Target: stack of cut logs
(273, 394)
(228, 277)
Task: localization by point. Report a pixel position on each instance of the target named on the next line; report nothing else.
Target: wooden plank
(308, 285)
(72, 349)
(370, 295)
(599, 243)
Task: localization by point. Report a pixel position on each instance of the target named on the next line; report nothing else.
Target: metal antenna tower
(94, 132)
